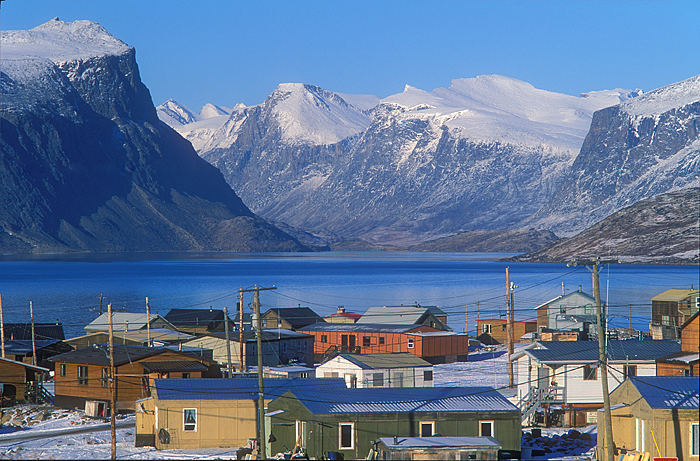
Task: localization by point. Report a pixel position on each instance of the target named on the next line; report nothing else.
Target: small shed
(444, 448)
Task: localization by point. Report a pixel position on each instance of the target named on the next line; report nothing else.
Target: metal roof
(400, 315)
(297, 317)
(272, 334)
(23, 331)
(27, 365)
(385, 360)
(433, 309)
(239, 388)
(174, 365)
(404, 399)
(121, 321)
(98, 354)
(195, 317)
(441, 442)
(360, 327)
(587, 351)
(675, 294)
(14, 347)
(669, 391)
(585, 296)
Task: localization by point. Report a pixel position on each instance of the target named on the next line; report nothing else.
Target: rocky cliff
(86, 165)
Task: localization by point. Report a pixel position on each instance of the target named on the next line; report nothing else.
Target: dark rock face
(86, 165)
(500, 241)
(630, 153)
(662, 229)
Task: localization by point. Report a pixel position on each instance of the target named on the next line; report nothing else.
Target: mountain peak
(61, 41)
(663, 99)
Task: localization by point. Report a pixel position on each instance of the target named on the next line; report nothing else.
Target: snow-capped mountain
(175, 114)
(416, 165)
(635, 150)
(88, 166)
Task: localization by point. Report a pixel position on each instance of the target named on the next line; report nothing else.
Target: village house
(211, 413)
(494, 331)
(290, 318)
(197, 321)
(670, 310)
(655, 415)
(340, 316)
(159, 337)
(42, 331)
(687, 361)
(436, 447)
(280, 347)
(567, 311)
(402, 369)
(19, 383)
(348, 421)
(126, 321)
(83, 375)
(23, 351)
(406, 315)
(430, 344)
(565, 373)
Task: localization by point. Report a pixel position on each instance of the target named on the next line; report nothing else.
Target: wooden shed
(14, 380)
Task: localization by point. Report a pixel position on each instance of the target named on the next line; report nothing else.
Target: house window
(630, 370)
(486, 328)
(303, 374)
(695, 439)
(105, 377)
(62, 369)
(589, 372)
(426, 428)
(306, 346)
(562, 309)
(190, 419)
(284, 347)
(485, 428)
(381, 340)
(365, 341)
(324, 338)
(300, 346)
(410, 343)
(428, 375)
(330, 374)
(185, 375)
(377, 379)
(346, 435)
(504, 327)
(82, 375)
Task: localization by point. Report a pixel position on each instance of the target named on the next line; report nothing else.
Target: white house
(127, 321)
(566, 372)
(559, 313)
(378, 370)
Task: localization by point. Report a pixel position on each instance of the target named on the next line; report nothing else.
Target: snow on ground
(485, 368)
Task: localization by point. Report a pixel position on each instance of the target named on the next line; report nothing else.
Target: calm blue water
(67, 288)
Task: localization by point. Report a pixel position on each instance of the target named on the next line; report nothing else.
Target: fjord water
(67, 288)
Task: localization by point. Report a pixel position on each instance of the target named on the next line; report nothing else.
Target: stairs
(537, 396)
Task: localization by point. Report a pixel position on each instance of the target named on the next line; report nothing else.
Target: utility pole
(228, 342)
(594, 267)
(31, 313)
(466, 319)
(2, 329)
(112, 386)
(510, 327)
(244, 367)
(261, 396)
(148, 321)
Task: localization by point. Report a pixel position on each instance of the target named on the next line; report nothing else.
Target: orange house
(686, 362)
(494, 331)
(430, 344)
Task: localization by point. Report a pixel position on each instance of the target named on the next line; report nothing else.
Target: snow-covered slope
(175, 114)
(636, 150)
(493, 108)
(416, 165)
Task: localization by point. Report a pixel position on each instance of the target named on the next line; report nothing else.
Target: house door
(351, 344)
(543, 377)
(344, 342)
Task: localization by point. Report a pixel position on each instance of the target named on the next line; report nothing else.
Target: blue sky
(230, 51)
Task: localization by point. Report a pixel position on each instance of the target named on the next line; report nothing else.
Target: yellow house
(655, 415)
(209, 413)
